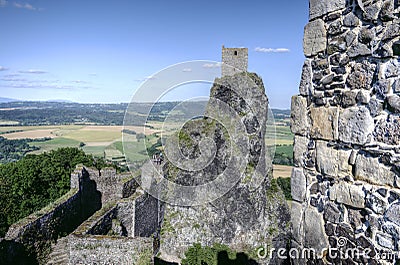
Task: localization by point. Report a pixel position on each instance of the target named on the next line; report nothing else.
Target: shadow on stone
(15, 253)
(241, 259)
(158, 261)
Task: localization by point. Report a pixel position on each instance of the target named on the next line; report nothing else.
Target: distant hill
(59, 101)
(62, 112)
(6, 100)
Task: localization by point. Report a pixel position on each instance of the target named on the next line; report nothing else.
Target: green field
(54, 144)
(94, 136)
(283, 135)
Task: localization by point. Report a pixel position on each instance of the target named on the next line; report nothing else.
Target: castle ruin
(345, 183)
(234, 60)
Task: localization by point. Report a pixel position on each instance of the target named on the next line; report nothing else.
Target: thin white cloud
(45, 85)
(272, 50)
(212, 65)
(13, 79)
(93, 74)
(26, 6)
(33, 71)
(11, 75)
(187, 70)
(2, 68)
(3, 3)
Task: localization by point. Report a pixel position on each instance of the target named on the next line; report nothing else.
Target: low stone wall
(37, 231)
(110, 250)
(113, 235)
(107, 221)
(137, 216)
(345, 184)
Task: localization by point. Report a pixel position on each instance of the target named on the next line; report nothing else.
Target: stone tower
(234, 60)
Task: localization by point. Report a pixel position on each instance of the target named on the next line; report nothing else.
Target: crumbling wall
(37, 231)
(111, 185)
(345, 184)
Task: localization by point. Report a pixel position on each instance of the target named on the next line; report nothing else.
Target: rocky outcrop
(346, 126)
(247, 212)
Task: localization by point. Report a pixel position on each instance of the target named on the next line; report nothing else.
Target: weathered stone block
(300, 150)
(369, 169)
(332, 213)
(319, 8)
(315, 236)
(299, 120)
(348, 194)
(297, 218)
(361, 76)
(324, 123)
(358, 49)
(355, 125)
(382, 87)
(350, 37)
(348, 99)
(375, 107)
(371, 12)
(390, 69)
(391, 31)
(351, 20)
(306, 86)
(298, 185)
(387, 130)
(393, 213)
(332, 162)
(394, 103)
(314, 37)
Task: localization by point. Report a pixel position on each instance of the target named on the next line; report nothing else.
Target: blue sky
(101, 51)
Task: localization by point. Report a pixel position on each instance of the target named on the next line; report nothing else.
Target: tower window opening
(235, 53)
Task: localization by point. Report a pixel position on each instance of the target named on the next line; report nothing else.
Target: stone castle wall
(234, 60)
(111, 185)
(346, 180)
(91, 190)
(37, 232)
(110, 250)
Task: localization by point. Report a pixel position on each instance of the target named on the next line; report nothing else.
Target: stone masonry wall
(111, 185)
(110, 250)
(36, 232)
(346, 180)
